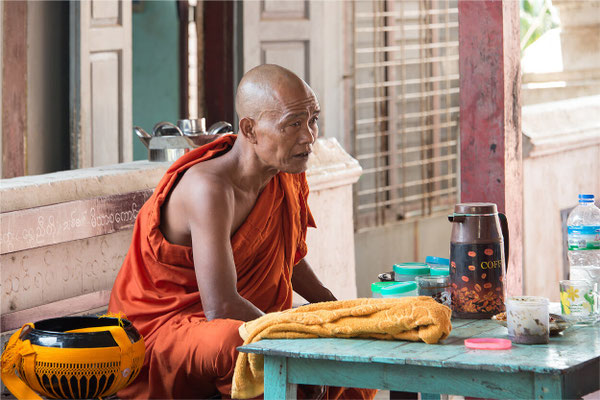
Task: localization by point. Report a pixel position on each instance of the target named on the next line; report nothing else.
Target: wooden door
(101, 82)
(307, 38)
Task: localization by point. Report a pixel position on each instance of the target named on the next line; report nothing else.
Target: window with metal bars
(405, 109)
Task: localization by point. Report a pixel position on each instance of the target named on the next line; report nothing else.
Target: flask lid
(475, 208)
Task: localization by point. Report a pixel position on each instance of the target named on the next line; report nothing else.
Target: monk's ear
(248, 129)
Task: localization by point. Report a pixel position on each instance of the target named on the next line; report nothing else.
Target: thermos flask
(478, 259)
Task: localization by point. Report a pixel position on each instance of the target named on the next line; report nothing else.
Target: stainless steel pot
(168, 142)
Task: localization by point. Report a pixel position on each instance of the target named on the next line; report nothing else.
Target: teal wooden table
(567, 367)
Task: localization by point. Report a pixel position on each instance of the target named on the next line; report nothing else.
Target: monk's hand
(315, 392)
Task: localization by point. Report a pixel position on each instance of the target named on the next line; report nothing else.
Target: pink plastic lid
(488, 344)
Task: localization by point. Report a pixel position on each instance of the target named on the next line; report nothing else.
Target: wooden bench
(63, 239)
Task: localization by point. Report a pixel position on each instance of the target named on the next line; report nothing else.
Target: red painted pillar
(14, 89)
(490, 116)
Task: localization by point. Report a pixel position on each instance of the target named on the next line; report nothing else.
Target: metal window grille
(405, 109)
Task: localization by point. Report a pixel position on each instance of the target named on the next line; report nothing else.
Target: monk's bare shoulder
(203, 194)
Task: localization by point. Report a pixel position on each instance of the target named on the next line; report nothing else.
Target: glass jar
(400, 289)
(409, 271)
(527, 319)
(435, 286)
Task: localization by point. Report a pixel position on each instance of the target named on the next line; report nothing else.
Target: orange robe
(188, 356)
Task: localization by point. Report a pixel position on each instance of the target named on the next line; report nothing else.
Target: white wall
(379, 249)
(562, 159)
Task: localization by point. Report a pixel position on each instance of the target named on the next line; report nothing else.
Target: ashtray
(557, 322)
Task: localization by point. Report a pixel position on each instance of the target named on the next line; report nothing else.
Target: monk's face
(287, 129)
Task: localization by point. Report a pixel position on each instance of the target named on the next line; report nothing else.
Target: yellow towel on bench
(408, 318)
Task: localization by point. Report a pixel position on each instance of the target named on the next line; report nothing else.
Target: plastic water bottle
(583, 228)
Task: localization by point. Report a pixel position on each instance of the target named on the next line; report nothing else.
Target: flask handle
(505, 238)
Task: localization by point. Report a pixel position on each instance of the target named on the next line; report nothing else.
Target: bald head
(266, 88)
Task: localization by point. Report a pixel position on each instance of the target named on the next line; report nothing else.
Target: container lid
(440, 270)
(475, 208)
(586, 198)
(488, 343)
(399, 288)
(528, 300)
(411, 268)
(376, 286)
(437, 260)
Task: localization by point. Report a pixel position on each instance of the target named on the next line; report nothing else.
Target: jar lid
(475, 208)
(440, 271)
(528, 300)
(411, 268)
(437, 260)
(488, 344)
(399, 288)
(376, 286)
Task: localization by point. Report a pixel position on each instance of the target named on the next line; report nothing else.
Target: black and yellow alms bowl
(72, 358)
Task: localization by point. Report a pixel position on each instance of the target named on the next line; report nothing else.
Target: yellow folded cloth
(408, 318)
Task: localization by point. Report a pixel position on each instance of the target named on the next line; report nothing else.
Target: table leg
(430, 396)
(276, 383)
(548, 387)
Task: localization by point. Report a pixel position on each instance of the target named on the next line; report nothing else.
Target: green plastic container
(377, 286)
(440, 271)
(400, 289)
(409, 271)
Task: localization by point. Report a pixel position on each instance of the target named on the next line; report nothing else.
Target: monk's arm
(210, 212)
(307, 285)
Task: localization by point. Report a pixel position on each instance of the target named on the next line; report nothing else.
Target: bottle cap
(399, 288)
(437, 260)
(488, 344)
(586, 198)
(411, 268)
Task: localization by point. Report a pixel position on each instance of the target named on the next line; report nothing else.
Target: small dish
(557, 322)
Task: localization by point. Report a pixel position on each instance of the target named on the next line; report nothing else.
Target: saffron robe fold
(186, 355)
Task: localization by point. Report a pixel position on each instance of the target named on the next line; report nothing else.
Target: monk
(222, 241)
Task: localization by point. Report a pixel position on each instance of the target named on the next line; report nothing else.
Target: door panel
(307, 38)
(105, 107)
(277, 32)
(292, 54)
(106, 12)
(101, 82)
